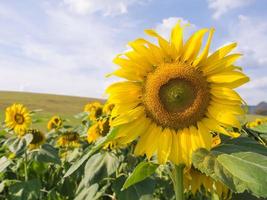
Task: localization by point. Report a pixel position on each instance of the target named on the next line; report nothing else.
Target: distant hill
(65, 106)
(50, 103)
(261, 108)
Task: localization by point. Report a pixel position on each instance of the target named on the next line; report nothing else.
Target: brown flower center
(176, 95)
(19, 118)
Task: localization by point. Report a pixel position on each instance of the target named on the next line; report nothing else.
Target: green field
(64, 106)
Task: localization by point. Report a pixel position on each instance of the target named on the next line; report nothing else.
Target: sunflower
(107, 108)
(69, 139)
(38, 138)
(99, 129)
(256, 123)
(95, 110)
(54, 123)
(174, 96)
(18, 118)
(194, 180)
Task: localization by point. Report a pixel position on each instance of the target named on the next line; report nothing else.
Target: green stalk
(178, 181)
(25, 166)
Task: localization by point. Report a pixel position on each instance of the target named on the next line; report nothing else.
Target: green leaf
(29, 190)
(81, 115)
(77, 164)
(141, 172)
(238, 167)
(261, 128)
(241, 144)
(98, 146)
(141, 191)
(48, 154)
(88, 193)
(4, 163)
(100, 166)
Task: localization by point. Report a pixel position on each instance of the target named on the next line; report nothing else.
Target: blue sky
(67, 46)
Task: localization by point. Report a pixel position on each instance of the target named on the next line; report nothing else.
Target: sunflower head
(174, 95)
(99, 129)
(107, 108)
(38, 138)
(54, 123)
(194, 181)
(69, 139)
(18, 118)
(95, 110)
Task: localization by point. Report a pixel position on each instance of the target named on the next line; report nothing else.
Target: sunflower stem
(25, 166)
(178, 181)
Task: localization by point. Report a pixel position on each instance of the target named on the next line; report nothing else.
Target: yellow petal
(193, 45)
(128, 116)
(143, 50)
(205, 52)
(220, 53)
(175, 154)
(224, 117)
(164, 145)
(127, 74)
(185, 146)
(213, 125)
(142, 143)
(177, 38)
(225, 93)
(204, 135)
(229, 79)
(152, 141)
(129, 132)
(221, 64)
(164, 44)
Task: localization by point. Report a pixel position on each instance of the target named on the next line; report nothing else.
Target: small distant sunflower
(69, 139)
(255, 123)
(174, 96)
(99, 129)
(108, 107)
(95, 110)
(37, 140)
(194, 180)
(18, 118)
(54, 123)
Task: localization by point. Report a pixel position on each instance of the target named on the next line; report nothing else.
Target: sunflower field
(173, 128)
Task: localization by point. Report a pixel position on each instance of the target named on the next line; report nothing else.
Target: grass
(64, 106)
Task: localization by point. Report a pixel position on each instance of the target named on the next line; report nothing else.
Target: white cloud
(221, 7)
(251, 36)
(250, 33)
(67, 54)
(107, 7)
(165, 27)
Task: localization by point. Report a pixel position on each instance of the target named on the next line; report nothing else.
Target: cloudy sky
(67, 46)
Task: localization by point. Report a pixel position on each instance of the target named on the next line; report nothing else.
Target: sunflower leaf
(141, 172)
(86, 156)
(240, 165)
(142, 190)
(4, 163)
(48, 154)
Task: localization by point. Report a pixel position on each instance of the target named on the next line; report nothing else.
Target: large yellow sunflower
(18, 118)
(38, 138)
(174, 95)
